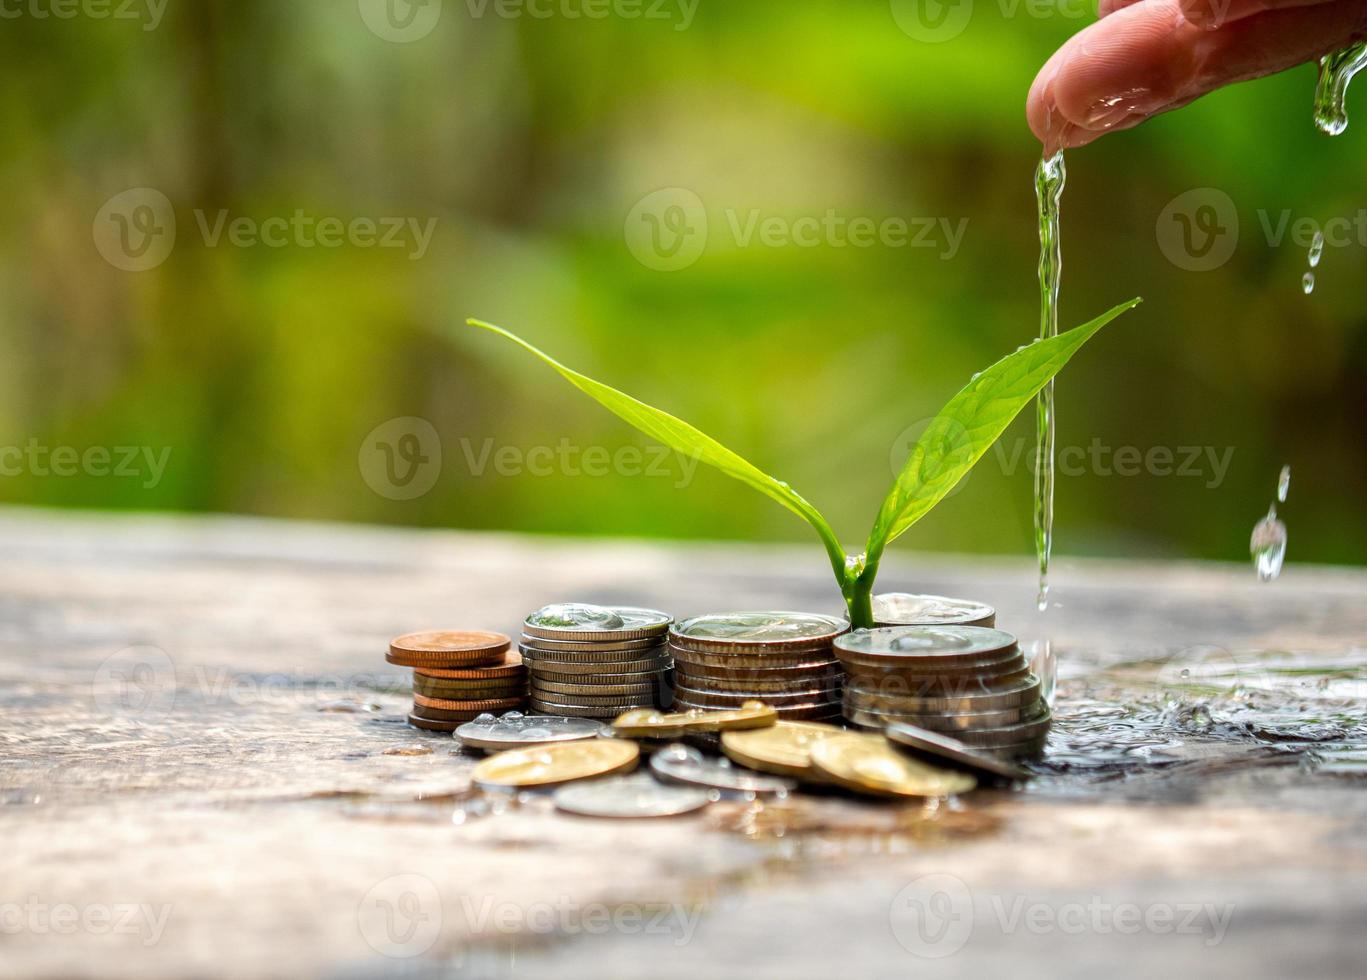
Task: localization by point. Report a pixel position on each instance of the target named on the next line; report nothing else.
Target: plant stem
(858, 592)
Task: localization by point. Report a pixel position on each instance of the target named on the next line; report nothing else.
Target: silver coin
(515, 730)
(957, 724)
(537, 666)
(735, 699)
(761, 630)
(1006, 735)
(587, 649)
(600, 690)
(940, 747)
(575, 620)
(909, 609)
(624, 797)
(740, 685)
(573, 711)
(875, 697)
(925, 645)
(676, 763)
(875, 669)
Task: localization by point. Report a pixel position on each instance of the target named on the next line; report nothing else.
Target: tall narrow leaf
(970, 424)
(680, 436)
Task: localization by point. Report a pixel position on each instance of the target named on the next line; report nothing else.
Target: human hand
(1144, 57)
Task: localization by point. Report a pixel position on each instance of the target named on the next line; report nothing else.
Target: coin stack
(969, 682)
(783, 659)
(458, 675)
(596, 661)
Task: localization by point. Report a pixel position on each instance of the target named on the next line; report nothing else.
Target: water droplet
(1336, 71)
(1268, 546)
(1308, 283)
(1283, 484)
(576, 615)
(1316, 249)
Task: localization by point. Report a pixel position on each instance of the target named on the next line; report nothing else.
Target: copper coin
(432, 725)
(464, 696)
(438, 714)
(448, 648)
(509, 666)
(487, 704)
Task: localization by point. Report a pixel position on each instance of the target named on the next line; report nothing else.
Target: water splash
(1331, 92)
(1050, 177)
(1268, 542)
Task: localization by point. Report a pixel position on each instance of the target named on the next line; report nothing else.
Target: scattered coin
(783, 748)
(686, 765)
(448, 648)
(516, 730)
(908, 609)
(951, 751)
(868, 764)
(646, 723)
(547, 765)
(629, 797)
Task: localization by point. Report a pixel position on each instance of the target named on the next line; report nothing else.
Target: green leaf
(970, 424)
(680, 436)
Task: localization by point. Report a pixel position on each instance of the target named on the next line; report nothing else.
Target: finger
(1107, 7)
(1148, 58)
(1211, 14)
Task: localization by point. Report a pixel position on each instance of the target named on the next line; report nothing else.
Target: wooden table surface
(204, 771)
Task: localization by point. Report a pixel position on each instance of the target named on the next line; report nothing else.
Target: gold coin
(868, 764)
(783, 748)
(546, 765)
(646, 723)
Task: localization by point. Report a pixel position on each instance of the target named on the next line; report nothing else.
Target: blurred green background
(530, 140)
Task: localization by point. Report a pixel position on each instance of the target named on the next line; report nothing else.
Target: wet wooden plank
(184, 769)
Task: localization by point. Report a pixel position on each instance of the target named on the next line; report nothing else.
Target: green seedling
(948, 448)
